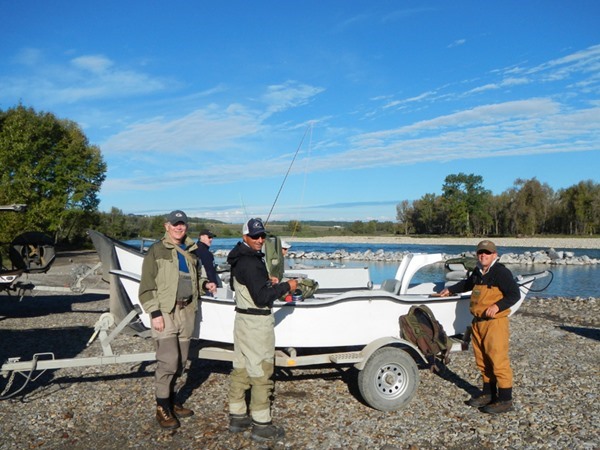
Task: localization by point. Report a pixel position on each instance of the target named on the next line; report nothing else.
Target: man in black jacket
(206, 256)
(494, 291)
(254, 335)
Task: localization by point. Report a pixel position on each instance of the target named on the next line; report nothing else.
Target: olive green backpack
(421, 328)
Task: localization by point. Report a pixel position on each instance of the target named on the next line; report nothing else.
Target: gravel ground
(554, 348)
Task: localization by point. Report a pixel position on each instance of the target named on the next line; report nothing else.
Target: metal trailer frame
(386, 382)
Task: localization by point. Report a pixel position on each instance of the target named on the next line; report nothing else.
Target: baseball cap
(209, 233)
(253, 228)
(176, 217)
(285, 244)
(488, 246)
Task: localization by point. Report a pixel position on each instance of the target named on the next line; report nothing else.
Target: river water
(567, 281)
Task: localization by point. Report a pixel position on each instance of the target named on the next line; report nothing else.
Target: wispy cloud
(581, 69)
(525, 127)
(457, 43)
(289, 95)
(85, 77)
(213, 127)
(93, 63)
(204, 130)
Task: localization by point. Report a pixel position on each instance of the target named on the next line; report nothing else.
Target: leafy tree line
(466, 208)
(123, 226)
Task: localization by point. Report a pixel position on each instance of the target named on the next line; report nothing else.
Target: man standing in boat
(254, 335)
(494, 291)
(169, 291)
(206, 257)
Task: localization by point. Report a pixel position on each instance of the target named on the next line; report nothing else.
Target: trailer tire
(389, 379)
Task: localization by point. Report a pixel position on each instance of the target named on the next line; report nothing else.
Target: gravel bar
(555, 354)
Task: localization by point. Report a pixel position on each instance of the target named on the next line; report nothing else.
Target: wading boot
(181, 411)
(498, 407)
(480, 400)
(166, 419)
(488, 395)
(239, 423)
(266, 432)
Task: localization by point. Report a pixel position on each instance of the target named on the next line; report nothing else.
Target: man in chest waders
(254, 335)
(494, 291)
(169, 290)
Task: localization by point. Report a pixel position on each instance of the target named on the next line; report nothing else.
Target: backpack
(421, 328)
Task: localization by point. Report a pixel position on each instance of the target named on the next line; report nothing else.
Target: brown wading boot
(498, 407)
(266, 432)
(166, 419)
(181, 411)
(239, 423)
(480, 400)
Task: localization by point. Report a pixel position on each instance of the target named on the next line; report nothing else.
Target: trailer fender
(390, 341)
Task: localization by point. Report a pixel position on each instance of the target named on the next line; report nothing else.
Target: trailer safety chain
(8, 386)
(5, 395)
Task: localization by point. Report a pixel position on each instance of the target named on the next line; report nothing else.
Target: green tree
(404, 213)
(464, 202)
(530, 200)
(581, 206)
(358, 227)
(294, 227)
(48, 164)
(498, 210)
(426, 216)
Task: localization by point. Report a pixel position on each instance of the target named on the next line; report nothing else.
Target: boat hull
(354, 320)
(332, 318)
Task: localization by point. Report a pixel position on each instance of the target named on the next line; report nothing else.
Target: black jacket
(248, 268)
(208, 261)
(498, 275)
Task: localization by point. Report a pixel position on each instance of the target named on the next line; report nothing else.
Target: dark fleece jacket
(248, 268)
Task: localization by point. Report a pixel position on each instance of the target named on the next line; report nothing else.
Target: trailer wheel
(389, 379)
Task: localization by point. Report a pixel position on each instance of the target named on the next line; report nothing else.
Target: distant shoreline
(541, 242)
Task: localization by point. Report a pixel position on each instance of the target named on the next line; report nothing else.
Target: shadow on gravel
(47, 344)
(447, 374)
(198, 372)
(349, 375)
(61, 341)
(44, 305)
(590, 333)
(58, 342)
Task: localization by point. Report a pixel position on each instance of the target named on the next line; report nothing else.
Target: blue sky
(203, 105)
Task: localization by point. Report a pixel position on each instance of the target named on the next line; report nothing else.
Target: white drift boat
(347, 310)
(348, 322)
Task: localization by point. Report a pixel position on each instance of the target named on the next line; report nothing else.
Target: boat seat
(391, 285)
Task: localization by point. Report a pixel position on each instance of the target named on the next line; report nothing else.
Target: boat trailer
(388, 367)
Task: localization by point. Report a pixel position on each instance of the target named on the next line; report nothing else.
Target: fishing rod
(287, 173)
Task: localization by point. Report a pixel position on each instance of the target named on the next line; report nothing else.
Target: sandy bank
(540, 242)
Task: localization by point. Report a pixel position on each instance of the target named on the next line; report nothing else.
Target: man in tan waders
(169, 291)
(254, 335)
(494, 291)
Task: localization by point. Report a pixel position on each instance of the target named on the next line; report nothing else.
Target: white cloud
(86, 77)
(457, 43)
(28, 56)
(209, 129)
(92, 63)
(289, 95)
(534, 126)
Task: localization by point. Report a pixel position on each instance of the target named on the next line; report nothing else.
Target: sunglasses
(257, 237)
(484, 252)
